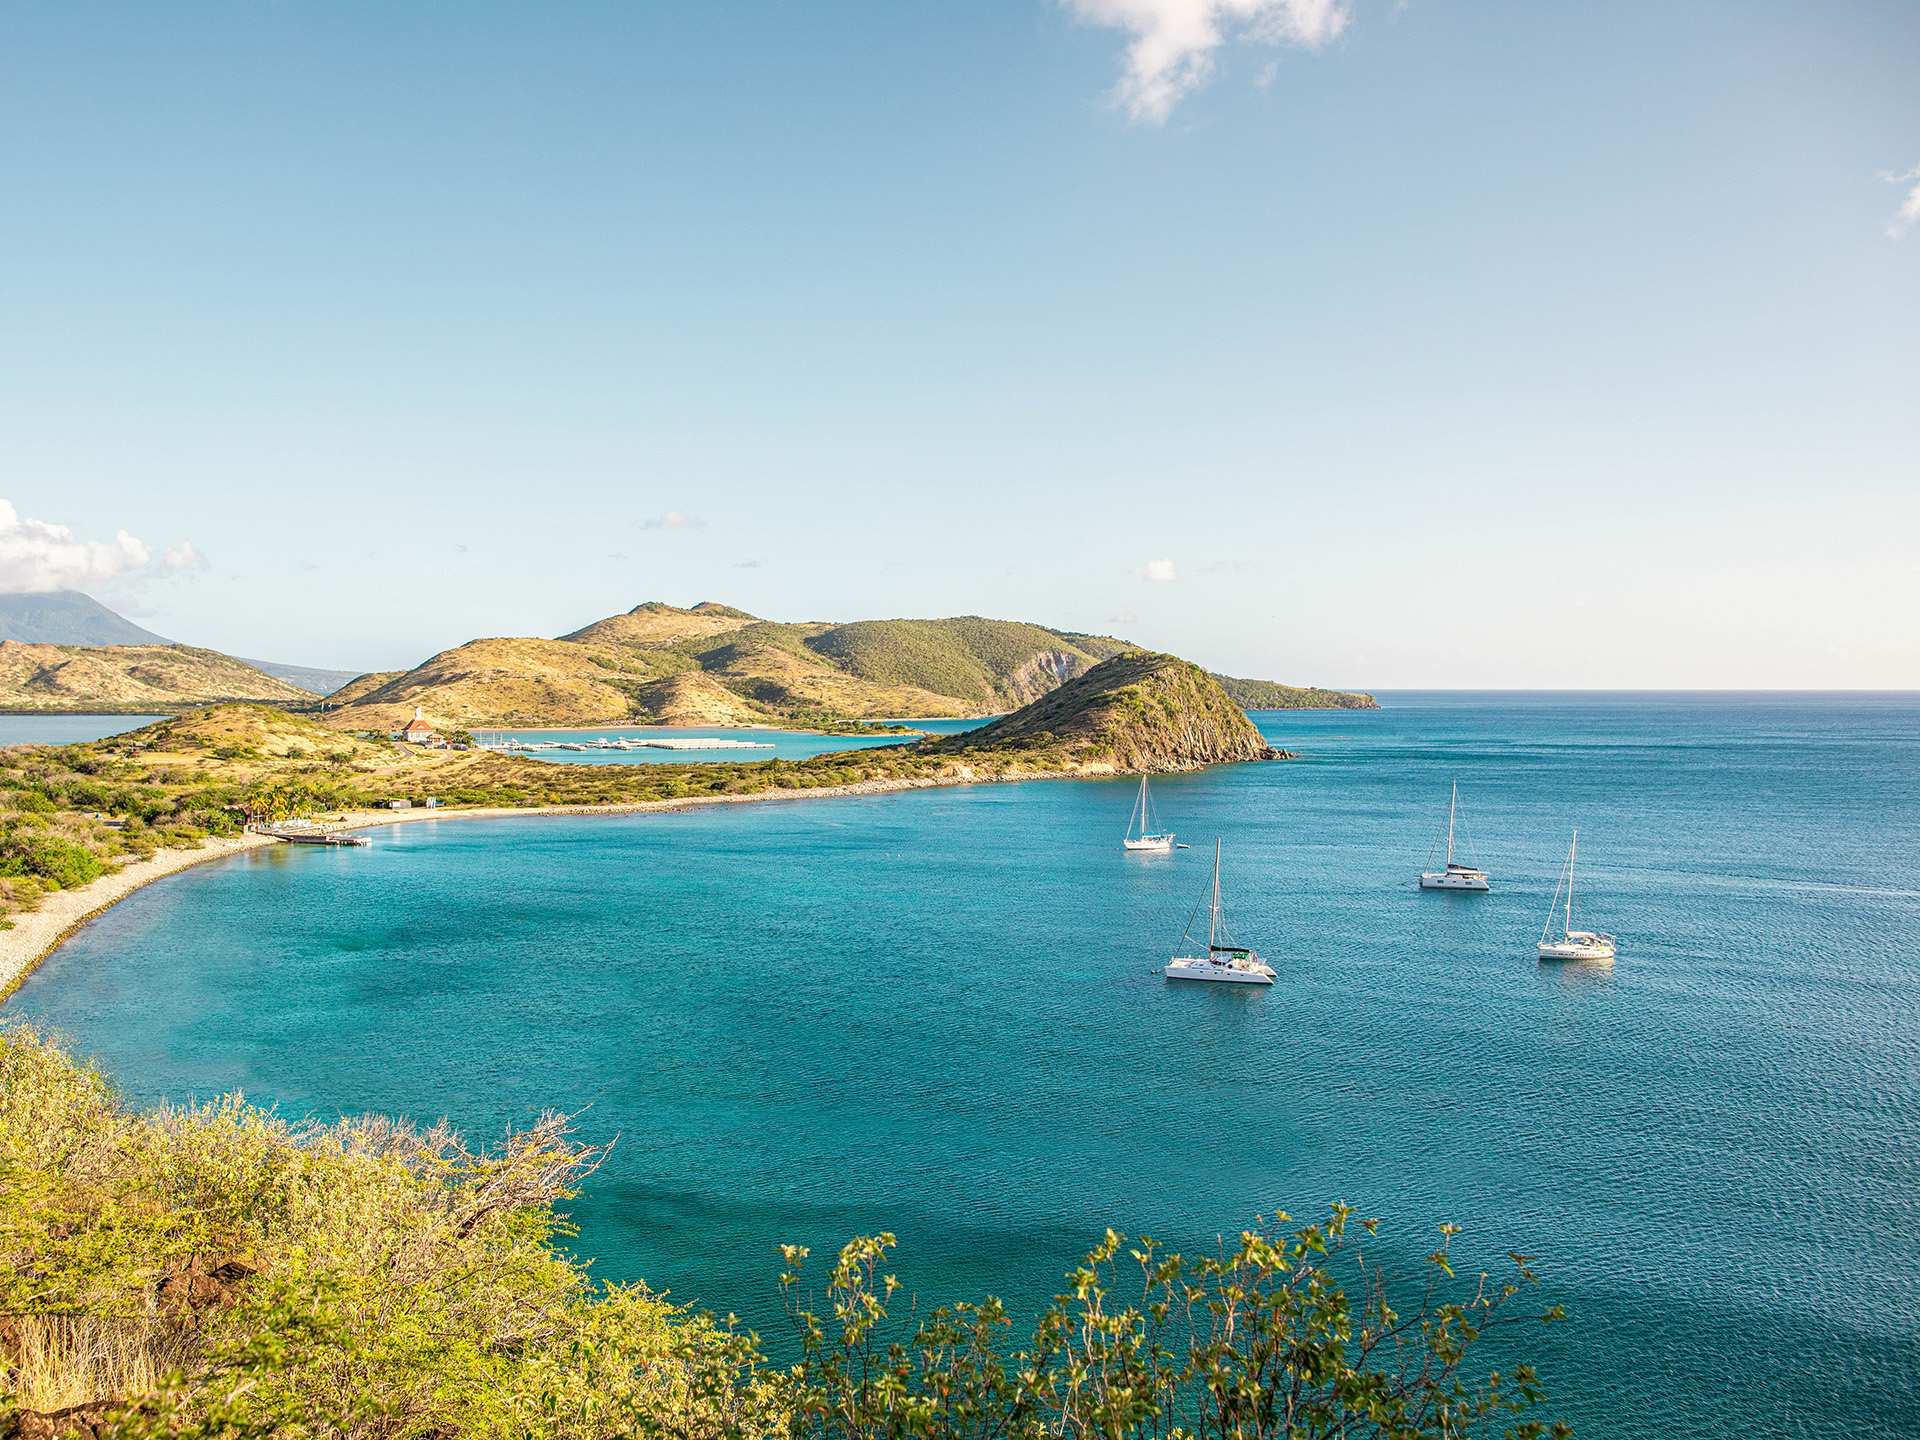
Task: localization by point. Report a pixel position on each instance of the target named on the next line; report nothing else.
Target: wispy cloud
(182, 557)
(1908, 215)
(1160, 572)
(1175, 42)
(748, 564)
(36, 555)
(672, 520)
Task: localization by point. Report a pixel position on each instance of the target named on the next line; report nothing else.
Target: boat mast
(1213, 913)
(1452, 801)
(1571, 849)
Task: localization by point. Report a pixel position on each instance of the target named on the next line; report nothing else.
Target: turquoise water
(67, 729)
(781, 744)
(937, 1012)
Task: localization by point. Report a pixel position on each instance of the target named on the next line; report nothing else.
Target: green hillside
(990, 663)
(615, 670)
(1139, 711)
(1271, 695)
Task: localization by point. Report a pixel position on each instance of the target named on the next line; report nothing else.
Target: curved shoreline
(36, 934)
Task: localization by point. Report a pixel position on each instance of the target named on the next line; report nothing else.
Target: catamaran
(1456, 876)
(1573, 944)
(1235, 964)
(1148, 838)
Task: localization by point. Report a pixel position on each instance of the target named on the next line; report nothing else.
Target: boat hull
(1149, 842)
(1443, 880)
(1578, 947)
(1217, 973)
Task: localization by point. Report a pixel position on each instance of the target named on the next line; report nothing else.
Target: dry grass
(58, 1361)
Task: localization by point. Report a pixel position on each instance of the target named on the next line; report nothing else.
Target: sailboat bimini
(1235, 964)
(1147, 837)
(1456, 876)
(1573, 944)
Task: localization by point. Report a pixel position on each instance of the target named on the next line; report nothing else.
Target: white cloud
(1908, 215)
(183, 557)
(672, 520)
(1174, 41)
(35, 555)
(1161, 572)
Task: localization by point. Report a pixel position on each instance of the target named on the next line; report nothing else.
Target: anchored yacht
(1232, 964)
(1146, 837)
(1572, 944)
(1455, 876)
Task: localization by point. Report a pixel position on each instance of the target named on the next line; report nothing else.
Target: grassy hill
(67, 617)
(1271, 695)
(656, 624)
(514, 681)
(128, 678)
(1136, 712)
(627, 668)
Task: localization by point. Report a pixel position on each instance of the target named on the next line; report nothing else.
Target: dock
(309, 835)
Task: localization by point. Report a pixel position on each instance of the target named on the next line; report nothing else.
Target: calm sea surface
(66, 729)
(779, 744)
(938, 1013)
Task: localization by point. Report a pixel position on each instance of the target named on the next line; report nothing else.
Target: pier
(296, 833)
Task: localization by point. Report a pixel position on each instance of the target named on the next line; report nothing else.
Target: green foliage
(59, 862)
(1271, 695)
(363, 1279)
(1262, 1340)
(214, 1271)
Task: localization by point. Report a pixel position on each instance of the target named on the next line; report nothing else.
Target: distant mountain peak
(67, 617)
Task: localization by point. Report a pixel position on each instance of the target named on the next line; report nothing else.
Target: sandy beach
(35, 934)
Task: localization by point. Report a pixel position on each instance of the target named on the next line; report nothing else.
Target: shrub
(59, 862)
(214, 1271)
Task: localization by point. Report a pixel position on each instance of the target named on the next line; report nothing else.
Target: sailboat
(1235, 964)
(1573, 944)
(1147, 838)
(1456, 876)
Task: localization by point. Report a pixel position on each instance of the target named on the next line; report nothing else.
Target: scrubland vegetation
(219, 1271)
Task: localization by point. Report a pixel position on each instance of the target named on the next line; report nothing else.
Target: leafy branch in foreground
(1259, 1340)
(216, 1272)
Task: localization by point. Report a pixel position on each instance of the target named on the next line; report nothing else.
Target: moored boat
(1148, 837)
(1572, 944)
(1456, 875)
(1224, 962)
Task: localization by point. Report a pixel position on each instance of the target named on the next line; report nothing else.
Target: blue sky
(1438, 343)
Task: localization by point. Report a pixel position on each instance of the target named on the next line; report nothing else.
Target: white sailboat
(1234, 964)
(1456, 876)
(1147, 837)
(1573, 944)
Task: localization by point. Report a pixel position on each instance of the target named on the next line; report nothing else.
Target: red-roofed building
(418, 731)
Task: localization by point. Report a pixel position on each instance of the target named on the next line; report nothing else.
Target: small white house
(417, 731)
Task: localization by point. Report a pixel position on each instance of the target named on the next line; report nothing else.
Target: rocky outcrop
(1043, 674)
(1136, 712)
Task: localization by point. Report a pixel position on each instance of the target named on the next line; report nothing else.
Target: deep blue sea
(938, 1013)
